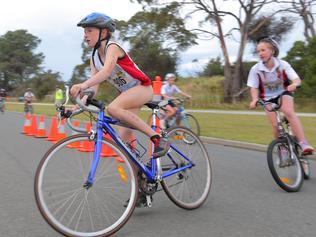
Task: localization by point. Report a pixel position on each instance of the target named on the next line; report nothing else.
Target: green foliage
(18, 62)
(213, 68)
(161, 25)
(45, 83)
(152, 58)
(302, 57)
(155, 37)
(246, 66)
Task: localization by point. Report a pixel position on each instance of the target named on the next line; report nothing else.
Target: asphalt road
(244, 200)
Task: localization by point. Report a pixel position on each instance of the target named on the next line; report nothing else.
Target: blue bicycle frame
(104, 122)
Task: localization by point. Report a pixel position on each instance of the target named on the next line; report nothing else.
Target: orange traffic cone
(75, 144)
(52, 136)
(61, 134)
(41, 132)
(33, 129)
(107, 151)
(157, 84)
(87, 146)
(27, 124)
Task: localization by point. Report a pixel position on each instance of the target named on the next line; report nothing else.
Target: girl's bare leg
(288, 110)
(122, 106)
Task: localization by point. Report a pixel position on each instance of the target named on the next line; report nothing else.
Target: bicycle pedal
(148, 199)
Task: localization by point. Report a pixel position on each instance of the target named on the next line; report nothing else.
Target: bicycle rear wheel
(286, 171)
(189, 188)
(190, 122)
(68, 205)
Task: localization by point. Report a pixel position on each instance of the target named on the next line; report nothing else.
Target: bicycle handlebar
(268, 105)
(70, 114)
(90, 94)
(70, 124)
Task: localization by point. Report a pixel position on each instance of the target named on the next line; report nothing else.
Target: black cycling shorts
(275, 100)
(171, 103)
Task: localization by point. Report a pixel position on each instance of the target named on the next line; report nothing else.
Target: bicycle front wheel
(72, 208)
(190, 122)
(305, 167)
(190, 187)
(285, 170)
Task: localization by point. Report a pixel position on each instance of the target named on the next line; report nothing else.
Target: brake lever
(62, 114)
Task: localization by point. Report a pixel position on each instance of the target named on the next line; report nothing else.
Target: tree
(213, 68)
(272, 26)
(214, 15)
(303, 9)
(44, 83)
(152, 58)
(18, 62)
(302, 57)
(156, 37)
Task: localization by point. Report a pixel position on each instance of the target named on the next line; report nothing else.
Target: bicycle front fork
(97, 139)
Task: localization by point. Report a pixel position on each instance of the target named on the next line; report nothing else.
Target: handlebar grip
(90, 94)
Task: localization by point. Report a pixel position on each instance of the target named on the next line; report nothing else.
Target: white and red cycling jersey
(271, 83)
(126, 74)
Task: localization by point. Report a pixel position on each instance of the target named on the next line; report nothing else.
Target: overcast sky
(54, 22)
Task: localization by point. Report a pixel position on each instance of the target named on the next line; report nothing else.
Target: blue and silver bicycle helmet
(98, 20)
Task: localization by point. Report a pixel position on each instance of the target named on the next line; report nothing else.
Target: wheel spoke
(74, 209)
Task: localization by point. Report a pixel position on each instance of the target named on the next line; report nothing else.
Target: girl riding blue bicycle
(110, 62)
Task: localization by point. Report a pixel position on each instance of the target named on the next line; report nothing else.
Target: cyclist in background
(169, 91)
(272, 78)
(28, 98)
(109, 61)
(3, 95)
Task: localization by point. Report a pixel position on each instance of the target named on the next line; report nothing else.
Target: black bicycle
(287, 164)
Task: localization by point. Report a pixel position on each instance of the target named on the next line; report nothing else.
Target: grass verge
(246, 128)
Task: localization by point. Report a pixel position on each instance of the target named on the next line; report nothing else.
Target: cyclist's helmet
(98, 20)
(2, 90)
(272, 42)
(169, 76)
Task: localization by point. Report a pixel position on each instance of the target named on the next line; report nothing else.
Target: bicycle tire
(286, 173)
(69, 207)
(190, 122)
(305, 167)
(189, 188)
(303, 159)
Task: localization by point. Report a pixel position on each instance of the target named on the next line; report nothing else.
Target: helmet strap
(98, 44)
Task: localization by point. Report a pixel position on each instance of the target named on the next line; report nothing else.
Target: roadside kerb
(238, 144)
